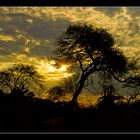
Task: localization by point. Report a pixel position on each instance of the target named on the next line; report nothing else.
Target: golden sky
(28, 34)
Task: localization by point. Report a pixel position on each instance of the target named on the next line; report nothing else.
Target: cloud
(29, 34)
(26, 49)
(33, 31)
(6, 38)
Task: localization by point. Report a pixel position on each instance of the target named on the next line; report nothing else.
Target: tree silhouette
(92, 49)
(19, 79)
(65, 86)
(55, 93)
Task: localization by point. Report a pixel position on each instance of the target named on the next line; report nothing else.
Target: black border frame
(73, 3)
(69, 3)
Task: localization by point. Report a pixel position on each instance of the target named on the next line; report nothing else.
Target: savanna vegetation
(100, 68)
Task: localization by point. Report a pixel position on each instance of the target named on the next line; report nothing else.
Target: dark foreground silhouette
(27, 114)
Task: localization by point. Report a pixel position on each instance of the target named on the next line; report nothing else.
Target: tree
(92, 49)
(20, 79)
(55, 93)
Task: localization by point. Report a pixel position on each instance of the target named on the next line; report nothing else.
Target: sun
(63, 68)
(45, 66)
(51, 68)
(51, 71)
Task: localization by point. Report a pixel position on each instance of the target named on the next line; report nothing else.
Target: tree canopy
(92, 49)
(20, 77)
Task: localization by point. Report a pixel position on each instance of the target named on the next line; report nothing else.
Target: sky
(29, 34)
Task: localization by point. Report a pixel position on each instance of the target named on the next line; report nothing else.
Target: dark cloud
(47, 29)
(37, 30)
(42, 51)
(29, 27)
(109, 11)
(134, 11)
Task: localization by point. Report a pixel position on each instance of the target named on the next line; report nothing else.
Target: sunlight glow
(51, 69)
(67, 75)
(63, 68)
(51, 72)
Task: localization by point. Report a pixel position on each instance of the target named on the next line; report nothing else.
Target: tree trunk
(80, 86)
(91, 69)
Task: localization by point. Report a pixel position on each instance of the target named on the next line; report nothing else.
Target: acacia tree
(92, 49)
(20, 79)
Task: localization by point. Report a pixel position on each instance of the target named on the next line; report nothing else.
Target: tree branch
(81, 65)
